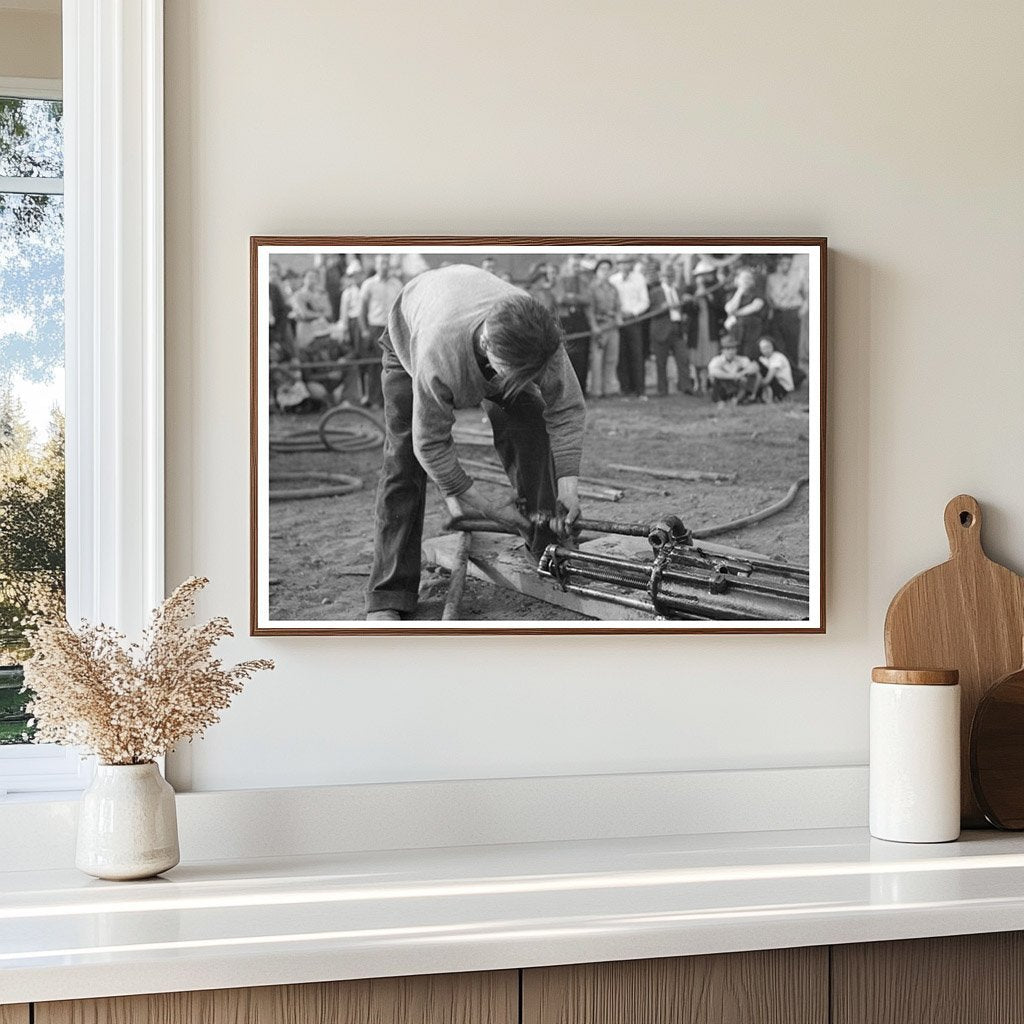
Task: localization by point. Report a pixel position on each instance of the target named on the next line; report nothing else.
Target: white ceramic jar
(127, 823)
(915, 755)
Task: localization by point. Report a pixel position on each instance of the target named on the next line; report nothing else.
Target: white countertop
(352, 915)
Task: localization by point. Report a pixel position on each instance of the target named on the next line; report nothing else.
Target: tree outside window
(32, 543)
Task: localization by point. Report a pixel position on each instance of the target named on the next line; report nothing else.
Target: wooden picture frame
(758, 251)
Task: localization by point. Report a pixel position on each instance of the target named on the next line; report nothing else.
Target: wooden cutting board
(967, 614)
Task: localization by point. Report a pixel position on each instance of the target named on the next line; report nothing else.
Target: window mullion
(32, 186)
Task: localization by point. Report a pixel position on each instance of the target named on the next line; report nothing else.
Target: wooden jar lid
(916, 676)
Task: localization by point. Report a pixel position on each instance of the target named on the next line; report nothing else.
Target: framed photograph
(537, 435)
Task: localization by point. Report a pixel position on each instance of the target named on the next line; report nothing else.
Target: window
(112, 208)
(32, 532)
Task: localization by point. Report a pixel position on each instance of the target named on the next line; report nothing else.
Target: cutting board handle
(963, 527)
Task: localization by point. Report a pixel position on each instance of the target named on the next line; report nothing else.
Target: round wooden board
(997, 752)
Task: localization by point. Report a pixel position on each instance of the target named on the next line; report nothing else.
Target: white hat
(354, 267)
(704, 266)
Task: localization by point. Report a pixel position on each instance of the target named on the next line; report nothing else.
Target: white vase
(127, 825)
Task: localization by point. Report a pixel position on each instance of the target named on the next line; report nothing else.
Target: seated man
(734, 378)
(458, 337)
(776, 372)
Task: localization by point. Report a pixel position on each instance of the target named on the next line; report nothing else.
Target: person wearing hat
(456, 338)
(702, 300)
(734, 378)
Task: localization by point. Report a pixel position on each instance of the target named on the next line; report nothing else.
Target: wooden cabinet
(962, 979)
(778, 986)
(968, 979)
(491, 998)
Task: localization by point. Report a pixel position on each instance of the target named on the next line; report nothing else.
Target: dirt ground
(320, 548)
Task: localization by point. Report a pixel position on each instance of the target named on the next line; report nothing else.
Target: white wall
(895, 129)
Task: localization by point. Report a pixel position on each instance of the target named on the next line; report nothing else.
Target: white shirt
(788, 291)
(349, 303)
(780, 364)
(726, 367)
(632, 291)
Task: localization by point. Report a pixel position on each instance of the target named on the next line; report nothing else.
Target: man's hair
(524, 335)
(603, 262)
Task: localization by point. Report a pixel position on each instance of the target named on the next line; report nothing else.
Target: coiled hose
(362, 433)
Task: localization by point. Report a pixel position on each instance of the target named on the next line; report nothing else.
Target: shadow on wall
(852, 287)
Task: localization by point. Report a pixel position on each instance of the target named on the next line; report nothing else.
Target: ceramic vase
(127, 825)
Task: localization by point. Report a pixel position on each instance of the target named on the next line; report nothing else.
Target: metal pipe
(683, 595)
(688, 555)
(676, 575)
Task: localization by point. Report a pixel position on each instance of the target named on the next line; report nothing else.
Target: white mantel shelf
(226, 924)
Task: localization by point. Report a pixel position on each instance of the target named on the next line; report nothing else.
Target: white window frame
(114, 345)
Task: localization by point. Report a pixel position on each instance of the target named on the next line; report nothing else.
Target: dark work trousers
(667, 339)
(631, 359)
(747, 331)
(371, 346)
(785, 328)
(576, 321)
(521, 441)
(722, 390)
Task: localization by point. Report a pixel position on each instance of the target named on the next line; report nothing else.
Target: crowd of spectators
(731, 324)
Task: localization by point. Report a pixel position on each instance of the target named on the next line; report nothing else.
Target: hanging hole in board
(966, 519)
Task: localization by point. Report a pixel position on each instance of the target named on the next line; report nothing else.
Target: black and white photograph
(585, 435)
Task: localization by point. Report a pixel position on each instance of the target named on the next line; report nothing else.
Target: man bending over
(458, 337)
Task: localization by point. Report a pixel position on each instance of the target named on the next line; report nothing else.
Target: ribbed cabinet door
(14, 1014)
(960, 979)
(778, 986)
(484, 998)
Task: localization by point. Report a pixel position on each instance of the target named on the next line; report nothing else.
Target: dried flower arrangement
(130, 703)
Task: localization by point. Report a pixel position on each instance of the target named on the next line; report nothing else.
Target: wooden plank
(689, 475)
(14, 1014)
(961, 979)
(780, 986)
(498, 559)
(480, 998)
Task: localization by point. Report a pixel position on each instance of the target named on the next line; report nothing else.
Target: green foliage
(14, 727)
(31, 524)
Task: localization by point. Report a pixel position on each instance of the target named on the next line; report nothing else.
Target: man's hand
(502, 511)
(567, 507)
